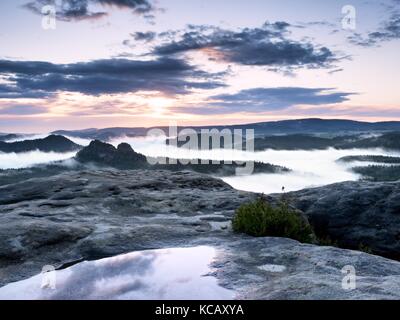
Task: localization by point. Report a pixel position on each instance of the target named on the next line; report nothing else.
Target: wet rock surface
(278, 268)
(94, 214)
(87, 215)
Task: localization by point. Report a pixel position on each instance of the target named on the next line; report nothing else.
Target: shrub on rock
(261, 219)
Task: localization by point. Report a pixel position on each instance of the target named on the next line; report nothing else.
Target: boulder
(356, 215)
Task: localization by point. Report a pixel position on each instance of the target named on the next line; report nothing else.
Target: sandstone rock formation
(85, 215)
(355, 214)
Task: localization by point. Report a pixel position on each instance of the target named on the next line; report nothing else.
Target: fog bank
(310, 168)
(29, 159)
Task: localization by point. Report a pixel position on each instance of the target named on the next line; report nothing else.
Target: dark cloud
(389, 30)
(268, 45)
(268, 99)
(22, 110)
(139, 37)
(167, 75)
(336, 70)
(318, 24)
(13, 92)
(144, 36)
(80, 9)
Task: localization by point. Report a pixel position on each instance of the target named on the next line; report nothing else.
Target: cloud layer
(34, 79)
(80, 9)
(23, 110)
(268, 46)
(268, 99)
(389, 30)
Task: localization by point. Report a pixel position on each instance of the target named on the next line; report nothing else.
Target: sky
(74, 64)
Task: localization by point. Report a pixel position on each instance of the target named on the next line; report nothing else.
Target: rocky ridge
(52, 143)
(355, 214)
(86, 215)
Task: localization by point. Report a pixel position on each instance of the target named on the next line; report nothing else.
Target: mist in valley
(309, 168)
(32, 158)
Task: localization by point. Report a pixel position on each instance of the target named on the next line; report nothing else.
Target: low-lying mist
(310, 168)
(29, 159)
(32, 158)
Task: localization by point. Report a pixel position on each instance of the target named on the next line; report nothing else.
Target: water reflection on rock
(178, 273)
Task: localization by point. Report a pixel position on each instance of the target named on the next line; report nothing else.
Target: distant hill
(299, 142)
(103, 134)
(322, 126)
(389, 141)
(52, 143)
(8, 136)
(379, 172)
(371, 158)
(305, 126)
